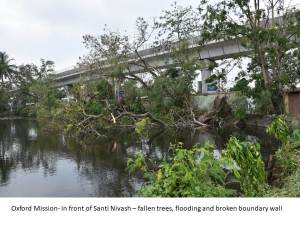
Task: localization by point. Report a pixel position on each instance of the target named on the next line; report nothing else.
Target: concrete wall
(205, 102)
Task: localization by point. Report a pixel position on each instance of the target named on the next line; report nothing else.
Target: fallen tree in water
(94, 110)
(196, 172)
(140, 116)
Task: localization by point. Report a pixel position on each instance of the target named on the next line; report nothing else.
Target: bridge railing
(149, 49)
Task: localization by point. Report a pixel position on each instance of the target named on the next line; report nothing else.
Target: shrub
(286, 155)
(263, 103)
(141, 125)
(290, 188)
(251, 173)
(188, 173)
(239, 106)
(279, 129)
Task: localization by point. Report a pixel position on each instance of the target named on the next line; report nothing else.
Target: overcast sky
(53, 29)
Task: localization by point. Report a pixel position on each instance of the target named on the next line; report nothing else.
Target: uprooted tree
(266, 28)
(162, 95)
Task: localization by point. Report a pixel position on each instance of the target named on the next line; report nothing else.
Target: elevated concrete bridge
(160, 58)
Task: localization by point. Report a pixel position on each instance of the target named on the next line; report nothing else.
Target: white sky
(53, 29)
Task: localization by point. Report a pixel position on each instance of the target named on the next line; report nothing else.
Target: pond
(38, 164)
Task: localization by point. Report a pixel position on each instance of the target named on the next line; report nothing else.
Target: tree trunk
(277, 101)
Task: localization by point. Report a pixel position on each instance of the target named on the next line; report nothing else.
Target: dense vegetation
(24, 86)
(163, 97)
(197, 172)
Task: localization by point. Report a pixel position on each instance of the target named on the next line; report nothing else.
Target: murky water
(35, 163)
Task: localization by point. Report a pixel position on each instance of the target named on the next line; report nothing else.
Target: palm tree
(7, 70)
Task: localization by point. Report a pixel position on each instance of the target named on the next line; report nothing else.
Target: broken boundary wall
(205, 103)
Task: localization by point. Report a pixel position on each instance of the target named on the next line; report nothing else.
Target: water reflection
(32, 133)
(33, 163)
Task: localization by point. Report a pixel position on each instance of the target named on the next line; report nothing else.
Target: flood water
(35, 163)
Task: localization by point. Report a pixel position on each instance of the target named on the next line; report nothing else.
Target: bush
(239, 106)
(196, 173)
(290, 188)
(279, 129)
(188, 173)
(168, 95)
(141, 125)
(4, 97)
(133, 97)
(263, 103)
(251, 173)
(286, 156)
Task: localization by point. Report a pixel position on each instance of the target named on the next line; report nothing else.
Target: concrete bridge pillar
(205, 74)
(68, 90)
(207, 87)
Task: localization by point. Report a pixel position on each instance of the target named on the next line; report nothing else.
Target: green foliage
(188, 173)
(169, 96)
(286, 159)
(167, 92)
(45, 94)
(141, 125)
(104, 89)
(4, 98)
(239, 106)
(263, 102)
(279, 129)
(7, 70)
(262, 98)
(31, 84)
(97, 90)
(82, 117)
(274, 63)
(138, 163)
(133, 97)
(93, 96)
(290, 188)
(195, 172)
(94, 107)
(251, 172)
(296, 132)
